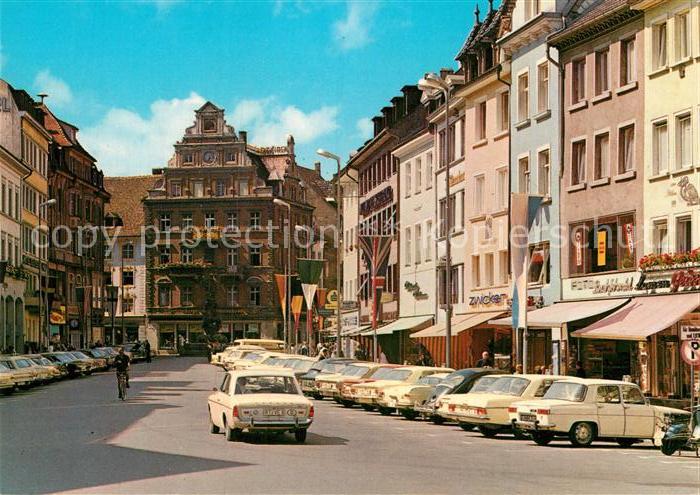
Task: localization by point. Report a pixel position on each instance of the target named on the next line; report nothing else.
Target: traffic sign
(690, 352)
(332, 299)
(690, 332)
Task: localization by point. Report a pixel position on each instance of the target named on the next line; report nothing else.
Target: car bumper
(372, 401)
(425, 410)
(275, 424)
(529, 426)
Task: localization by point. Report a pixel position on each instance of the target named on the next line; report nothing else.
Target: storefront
(394, 339)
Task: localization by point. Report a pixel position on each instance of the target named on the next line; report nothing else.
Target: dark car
(459, 382)
(325, 366)
(135, 350)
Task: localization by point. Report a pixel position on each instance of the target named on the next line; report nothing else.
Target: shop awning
(460, 323)
(406, 323)
(559, 313)
(642, 317)
(354, 331)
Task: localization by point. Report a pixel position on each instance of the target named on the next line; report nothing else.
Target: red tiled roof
(127, 193)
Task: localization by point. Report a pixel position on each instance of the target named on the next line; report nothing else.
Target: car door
(218, 400)
(611, 415)
(639, 416)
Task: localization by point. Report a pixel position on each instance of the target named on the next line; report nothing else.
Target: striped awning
(460, 323)
(406, 323)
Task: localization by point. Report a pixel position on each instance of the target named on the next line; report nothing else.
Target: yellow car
(368, 395)
(404, 398)
(328, 385)
(488, 409)
(259, 358)
(260, 400)
(23, 373)
(232, 352)
(7, 383)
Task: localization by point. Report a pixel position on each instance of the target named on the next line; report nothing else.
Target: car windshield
(79, 355)
(398, 375)
(573, 392)
(354, 370)
(98, 353)
(270, 361)
(42, 361)
(65, 358)
(333, 367)
(128, 347)
(8, 364)
(268, 384)
(22, 363)
(483, 384)
(251, 357)
(509, 386)
(453, 379)
(381, 373)
(429, 380)
(303, 365)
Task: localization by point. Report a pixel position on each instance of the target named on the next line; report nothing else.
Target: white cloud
(354, 30)
(58, 90)
(269, 123)
(125, 143)
(365, 127)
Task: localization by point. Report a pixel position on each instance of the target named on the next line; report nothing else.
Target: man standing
(485, 361)
(147, 349)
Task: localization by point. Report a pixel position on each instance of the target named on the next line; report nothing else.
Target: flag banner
(309, 292)
(310, 270)
(523, 208)
(321, 297)
(375, 252)
(281, 291)
(297, 302)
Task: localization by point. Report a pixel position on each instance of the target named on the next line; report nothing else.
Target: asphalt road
(75, 436)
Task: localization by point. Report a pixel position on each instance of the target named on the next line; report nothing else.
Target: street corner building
(203, 266)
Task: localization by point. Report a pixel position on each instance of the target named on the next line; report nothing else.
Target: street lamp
(112, 297)
(288, 271)
(332, 156)
(433, 82)
(44, 309)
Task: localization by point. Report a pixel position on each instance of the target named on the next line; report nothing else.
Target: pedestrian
(304, 350)
(518, 369)
(485, 361)
(580, 370)
(322, 353)
(147, 348)
(382, 358)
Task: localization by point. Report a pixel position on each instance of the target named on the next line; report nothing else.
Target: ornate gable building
(217, 237)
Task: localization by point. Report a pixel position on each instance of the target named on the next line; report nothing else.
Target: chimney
(444, 72)
(243, 136)
(317, 167)
(388, 117)
(399, 107)
(412, 96)
(476, 15)
(378, 124)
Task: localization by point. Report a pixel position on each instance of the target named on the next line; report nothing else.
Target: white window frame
(596, 156)
(633, 166)
(582, 167)
(656, 168)
(656, 62)
(543, 87)
(523, 107)
(544, 172)
(524, 179)
(677, 118)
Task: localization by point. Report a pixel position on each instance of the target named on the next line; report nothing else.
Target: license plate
(273, 412)
(531, 418)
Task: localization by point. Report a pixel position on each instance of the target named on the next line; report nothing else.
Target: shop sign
(382, 198)
(456, 179)
(350, 321)
(602, 244)
(690, 332)
(74, 323)
(632, 284)
(332, 299)
(489, 300)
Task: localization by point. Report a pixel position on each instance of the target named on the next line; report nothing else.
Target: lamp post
(287, 272)
(112, 297)
(338, 226)
(43, 308)
(433, 82)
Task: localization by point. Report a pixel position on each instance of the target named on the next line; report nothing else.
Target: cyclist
(121, 364)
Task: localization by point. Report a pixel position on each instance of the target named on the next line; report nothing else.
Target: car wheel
(347, 403)
(385, 411)
(300, 436)
(582, 434)
(317, 396)
(488, 432)
(626, 442)
(410, 415)
(213, 429)
(437, 420)
(232, 434)
(542, 437)
(8, 391)
(466, 426)
(367, 407)
(519, 434)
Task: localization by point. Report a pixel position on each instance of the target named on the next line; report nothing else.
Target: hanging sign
(602, 236)
(579, 248)
(690, 332)
(629, 237)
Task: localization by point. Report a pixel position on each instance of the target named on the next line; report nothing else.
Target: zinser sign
(632, 284)
(382, 198)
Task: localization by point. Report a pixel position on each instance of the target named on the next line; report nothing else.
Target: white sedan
(260, 400)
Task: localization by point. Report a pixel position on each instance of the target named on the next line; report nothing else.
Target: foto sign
(690, 332)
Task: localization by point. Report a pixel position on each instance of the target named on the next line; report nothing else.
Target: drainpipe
(510, 141)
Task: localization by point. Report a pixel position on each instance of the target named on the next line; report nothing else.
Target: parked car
(403, 398)
(299, 365)
(267, 344)
(45, 371)
(232, 351)
(585, 410)
(260, 400)
(135, 351)
(488, 410)
(254, 359)
(345, 387)
(74, 366)
(93, 364)
(371, 395)
(459, 382)
(229, 361)
(327, 384)
(7, 381)
(325, 366)
(22, 370)
(101, 353)
(60, 370)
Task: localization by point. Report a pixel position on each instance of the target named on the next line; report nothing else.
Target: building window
(532, 8)
(232, 295)
(523, 98)
(209, 220)
(128, 251)
(164, 254)
(164, 222)
(185, 296)
(232, 257)
(429, 236)
(659, 158)
(626, 149)
(503, 267)
(454, 285)
(232, 219)
(488, 270)
(220, 187)
(602, 156)
(254, 295)
(502, 188)
(128, 277)
(660, 237)
(407, 179)
(186, 220)
(476, 271)
(658, 45)
(602, 71)
(164, 296)
(198, 187)
(418, 171)
(187, 157)
(446, 222)
(418, 243)
(578, 80)
(682, 36)
(480, 124)
(578, 162)
(628, 63)
(254, 256)
(243, 187)
(230, 156)
(503, 111)
(254, 221)
(524, 175)
(429, 170)
(479, 195)
(175, 189)
(608, 244)
(684, 235)
(185, 254)
(407, 248)
(684, 141)
(543, 167)
(542, 87)
(538, 274)
(128, 305)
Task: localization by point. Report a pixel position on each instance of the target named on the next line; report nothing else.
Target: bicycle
(121, 385)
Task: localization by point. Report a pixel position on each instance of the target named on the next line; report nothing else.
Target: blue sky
(129, 74)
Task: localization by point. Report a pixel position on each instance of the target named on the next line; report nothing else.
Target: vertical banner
(297, 302)
(601, 240)
(281, 291)
(629, 237)
(309, 275)
(375, 252)
(321, 297)
(579, 248)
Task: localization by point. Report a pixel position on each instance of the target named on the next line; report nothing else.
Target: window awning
(406, 323)
(559, 313)
(460, 323)
(642, 317)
